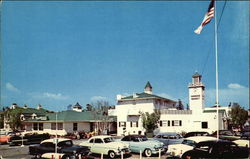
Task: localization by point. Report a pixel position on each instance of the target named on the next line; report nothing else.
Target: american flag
(208, 16)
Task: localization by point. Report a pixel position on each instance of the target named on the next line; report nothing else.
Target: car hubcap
(148, 153)
(112, 155)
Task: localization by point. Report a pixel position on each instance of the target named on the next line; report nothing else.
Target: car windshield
(143, 138)
(188, 142)
(67, 143)
(108, 139)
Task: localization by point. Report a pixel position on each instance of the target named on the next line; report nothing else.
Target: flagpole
(216, 69)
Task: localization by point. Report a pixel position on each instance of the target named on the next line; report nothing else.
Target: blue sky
(59, 53)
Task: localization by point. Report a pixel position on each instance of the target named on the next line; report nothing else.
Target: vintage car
(187, 144)
(106, 145)
(65, 148)
(29, 138)
(216, 149)
(169, 138)
(196, 133)
(244, 140)
(227, 135)
(4, 137)
(140, 143)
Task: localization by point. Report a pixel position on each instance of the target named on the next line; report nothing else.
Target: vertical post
(140, 154)
(56, 135)
(216, 69)
(122, 155)
(101, 155)
(22, 140)
(159, 153)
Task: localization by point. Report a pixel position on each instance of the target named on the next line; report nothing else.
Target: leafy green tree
(239, 115)
(149, 121)
(12, 117)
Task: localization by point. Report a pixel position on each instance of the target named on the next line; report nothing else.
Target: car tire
(147, 152)
(38, 156)
(111, 154)
(66, 157)
(186, 156)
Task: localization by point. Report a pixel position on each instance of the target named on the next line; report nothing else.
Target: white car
(187, 144)
(107, 146)
(242, 142)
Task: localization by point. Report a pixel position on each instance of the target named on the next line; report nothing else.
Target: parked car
(140, 143)
(187, 144)
(106, 145)
(196, 133)
(169, 138)
(244, 140)
(28, 139)
(227, 135)
(4, 137)
(65, 148)
(216, 149)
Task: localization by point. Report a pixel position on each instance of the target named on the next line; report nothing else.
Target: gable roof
(140, 96)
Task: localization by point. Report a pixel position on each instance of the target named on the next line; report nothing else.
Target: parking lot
(18, 152)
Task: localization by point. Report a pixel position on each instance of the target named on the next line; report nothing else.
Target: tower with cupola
(148, 88)
(196, 93)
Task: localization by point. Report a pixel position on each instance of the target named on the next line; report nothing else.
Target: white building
(198, 118)
(128, 109)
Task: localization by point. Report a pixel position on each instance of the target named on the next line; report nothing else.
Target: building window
(176, 122)
(53, 126)
(40, 126)
(164, 123)
(35, 126)
(122, 124)
(59, 126)
(74, 126)
(204, 125)
(134, 124)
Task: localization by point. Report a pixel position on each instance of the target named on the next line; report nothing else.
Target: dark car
(216, 149)
(27, 139)
(196, 133)
(64, 147)
(227, 135)
(169, 138)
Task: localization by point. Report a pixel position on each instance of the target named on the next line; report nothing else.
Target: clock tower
(196, 93)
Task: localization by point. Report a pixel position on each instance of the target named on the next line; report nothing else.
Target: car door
(98, 146)
(136, 145)
(47, 147)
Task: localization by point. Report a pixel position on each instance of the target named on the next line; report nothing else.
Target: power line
(208, 54)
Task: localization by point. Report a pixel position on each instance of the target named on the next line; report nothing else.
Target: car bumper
(156, 151)
(124, 152)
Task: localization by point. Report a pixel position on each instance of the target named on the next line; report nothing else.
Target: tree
(12, 117)
(149, 121)
(238, 115)
(180, 105)
(99, 110)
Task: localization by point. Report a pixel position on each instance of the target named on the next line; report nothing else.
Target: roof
(148, 85)
(145, 96)
(73, 116)
(213, 111)
(28, 110)
(201, 138)
(52, 140)
(196, 75)
(100, 136)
